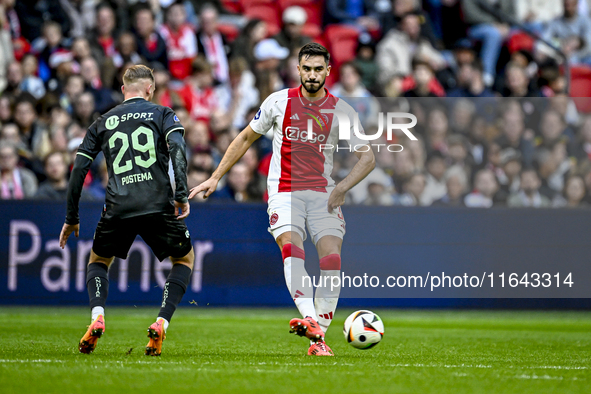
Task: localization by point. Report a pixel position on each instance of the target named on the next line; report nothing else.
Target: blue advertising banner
(238, 263)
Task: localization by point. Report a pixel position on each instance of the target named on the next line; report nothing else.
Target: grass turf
(250, 350)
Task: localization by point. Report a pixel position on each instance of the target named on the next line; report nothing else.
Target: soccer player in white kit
(301, 190)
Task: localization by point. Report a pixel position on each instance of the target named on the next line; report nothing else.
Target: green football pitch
(250, 350)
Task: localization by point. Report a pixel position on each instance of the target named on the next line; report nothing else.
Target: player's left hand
(336, 199)
(67, 229)
(185, 209)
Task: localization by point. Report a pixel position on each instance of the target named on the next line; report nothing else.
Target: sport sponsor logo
(293, 133)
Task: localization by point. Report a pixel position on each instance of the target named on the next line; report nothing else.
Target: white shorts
(294, 211)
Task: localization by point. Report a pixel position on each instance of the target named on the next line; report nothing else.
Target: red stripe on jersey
(302, 161)
(285, 178)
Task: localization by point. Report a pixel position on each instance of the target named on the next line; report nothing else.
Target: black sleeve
(177, 149)
(81, 167)
(89, 148)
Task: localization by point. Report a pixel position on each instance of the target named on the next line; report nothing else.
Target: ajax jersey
(304, 139)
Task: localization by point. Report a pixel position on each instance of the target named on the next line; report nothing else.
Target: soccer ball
(363, 329)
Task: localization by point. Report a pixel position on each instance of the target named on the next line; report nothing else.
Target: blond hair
(137, 72)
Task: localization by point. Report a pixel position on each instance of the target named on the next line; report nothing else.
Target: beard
(313, 89)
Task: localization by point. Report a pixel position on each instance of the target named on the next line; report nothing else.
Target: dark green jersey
(133, 137)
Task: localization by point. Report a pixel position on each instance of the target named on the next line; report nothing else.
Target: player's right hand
(67, 229)
(208, 187)
(184, 209)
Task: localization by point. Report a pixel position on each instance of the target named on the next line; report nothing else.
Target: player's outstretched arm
(235, 151)
(362, 168)
(72, 224)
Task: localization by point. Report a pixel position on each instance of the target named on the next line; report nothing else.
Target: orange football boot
(157, 335)
(320, 348)
(306, 327)
(94, 332)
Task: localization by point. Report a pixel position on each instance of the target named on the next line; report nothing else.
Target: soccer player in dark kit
(137, 139)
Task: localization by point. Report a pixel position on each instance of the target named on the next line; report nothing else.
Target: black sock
(174, 289)
(97, 282)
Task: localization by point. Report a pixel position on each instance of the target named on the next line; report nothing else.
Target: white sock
(164, 321)
(96, 311)
(302, 292)
(327, 297)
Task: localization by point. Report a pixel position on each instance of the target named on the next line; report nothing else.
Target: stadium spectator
(554, 166)
(291, 36)
(365, 61)
(103, 96)
(239, 178)
(423, 76)
(485, 188)
(437, 131)
(513, 134)
(518, 83)
(212, 43)
(203, 95)
(150, 44)
(195, 177)
(32, 14)
(5, 109)
(84, 109)
(362, 101)
(509, 177)
(14, 79)
(126, 51)
(361, 13)
(56, 186)
(583, 150)
(102, 37)
(435, 186)
(455, 185)
(397, 49)
(32, 132)
(74, 86)
(240, 94)
(269, 54)
(571, 32)
(414, 188)
(197, 136)
(486, 28)
(15, 183)
(52, 50)
(31, 83)
(528, 195)
(181, 43)
(402, 168)
(390, 20)
(378, 195)
(6, 49)
(573, 195)
(252, 33)
(553, 130)
(471, 82)
(81, 14)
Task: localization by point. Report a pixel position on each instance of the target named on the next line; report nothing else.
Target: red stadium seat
(229, 31)
(267, 12)
(580, 87)
(519, 41)
(342, 40)
(233, 6)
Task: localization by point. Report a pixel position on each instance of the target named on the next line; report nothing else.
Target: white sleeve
(263, 120)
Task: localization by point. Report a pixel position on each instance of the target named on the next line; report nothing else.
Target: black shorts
(163, 233)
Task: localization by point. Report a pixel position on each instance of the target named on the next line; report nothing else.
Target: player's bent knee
(291, 250)
(187, 260)
(330, 262)
(95, 258)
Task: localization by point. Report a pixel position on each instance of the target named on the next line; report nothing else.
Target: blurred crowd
(496, 125)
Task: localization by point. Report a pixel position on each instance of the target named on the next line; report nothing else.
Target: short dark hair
(139, 71)
(314, 49)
